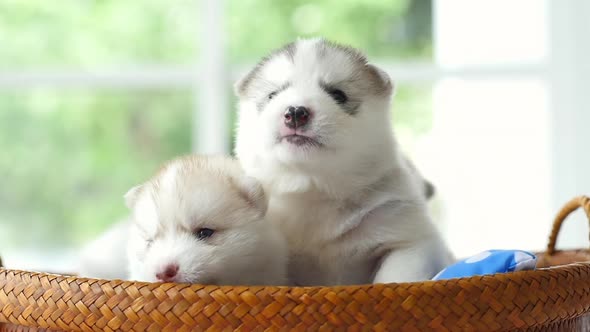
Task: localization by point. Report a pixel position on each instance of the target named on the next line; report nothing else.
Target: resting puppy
(201, 220)
(315, 128)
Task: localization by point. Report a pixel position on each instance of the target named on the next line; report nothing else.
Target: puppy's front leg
(418, 262)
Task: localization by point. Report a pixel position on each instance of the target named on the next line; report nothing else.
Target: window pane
(382, 28)
(69, 157)
(483, 32)
(489, 156)
(86, 33)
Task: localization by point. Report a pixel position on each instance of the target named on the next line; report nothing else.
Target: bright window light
(484, 32)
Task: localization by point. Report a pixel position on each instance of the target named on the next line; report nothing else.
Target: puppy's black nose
(296, 116)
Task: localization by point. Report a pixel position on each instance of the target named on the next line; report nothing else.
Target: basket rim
(503, 275)
(508, 300)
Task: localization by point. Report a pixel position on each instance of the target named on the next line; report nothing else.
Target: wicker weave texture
(492, 303)
(552, 299)
(582, 202)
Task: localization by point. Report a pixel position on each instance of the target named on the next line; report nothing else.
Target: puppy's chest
(318, 254)
(315, 266)
(306, 223)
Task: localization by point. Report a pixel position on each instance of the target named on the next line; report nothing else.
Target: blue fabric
(489, 262)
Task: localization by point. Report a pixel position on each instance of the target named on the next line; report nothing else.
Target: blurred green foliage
(85, 33)
(68, 156)
(392, 29)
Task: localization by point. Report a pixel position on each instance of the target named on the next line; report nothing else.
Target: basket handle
(569, 207)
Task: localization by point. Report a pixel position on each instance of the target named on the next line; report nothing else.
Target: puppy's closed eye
(277, 91)
(338, 95)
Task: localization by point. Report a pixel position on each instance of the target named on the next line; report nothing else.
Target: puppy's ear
(381, 80)
(429, 189)
(132, 195)
(252, 191)
(242, 86)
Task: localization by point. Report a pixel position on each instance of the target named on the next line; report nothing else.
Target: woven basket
(548, 299)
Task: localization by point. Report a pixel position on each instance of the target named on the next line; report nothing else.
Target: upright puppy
(315, 128)
(201, 220)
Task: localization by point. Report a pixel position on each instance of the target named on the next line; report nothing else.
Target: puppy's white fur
(351, 207)
(198, 192)
(101, 257)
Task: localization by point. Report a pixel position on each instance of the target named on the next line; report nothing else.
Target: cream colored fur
(352, 208)
(197, 192)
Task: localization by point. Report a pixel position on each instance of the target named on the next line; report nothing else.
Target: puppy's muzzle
(296, 117)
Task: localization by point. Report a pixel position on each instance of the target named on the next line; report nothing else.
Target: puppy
(201, 220)
(315, 128)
